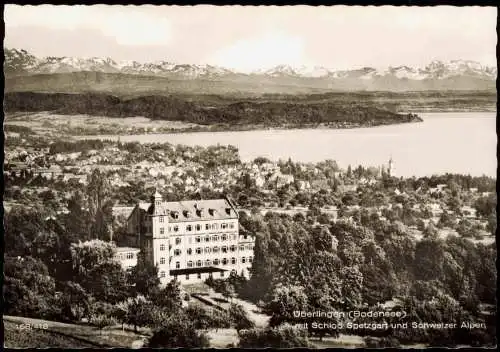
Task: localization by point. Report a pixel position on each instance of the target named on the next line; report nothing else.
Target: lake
(456, 142)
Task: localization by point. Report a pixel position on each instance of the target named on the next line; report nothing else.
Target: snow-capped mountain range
(20, 61)
(455, 74)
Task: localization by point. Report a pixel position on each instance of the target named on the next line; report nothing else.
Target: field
(47, 333)
(48, 123)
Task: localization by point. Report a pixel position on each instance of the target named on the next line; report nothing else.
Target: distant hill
(25, 72)
(263, 112)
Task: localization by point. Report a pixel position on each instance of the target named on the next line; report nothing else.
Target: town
(197, 230)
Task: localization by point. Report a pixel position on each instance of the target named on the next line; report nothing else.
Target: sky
(248, 38)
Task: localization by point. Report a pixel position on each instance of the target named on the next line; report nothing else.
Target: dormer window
(199, 212)
(228, 211)
(174, 214)
(186, 213)
(211, 211)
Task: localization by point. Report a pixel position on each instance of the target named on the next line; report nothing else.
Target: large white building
(191, 240)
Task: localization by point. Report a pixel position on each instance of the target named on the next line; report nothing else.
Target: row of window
(208, 262)
(199, 227)
(207, 238)
(221, 274)
(128, 255)
(216, 249)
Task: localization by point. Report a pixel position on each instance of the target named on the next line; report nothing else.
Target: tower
(390, 169)
(159, 237)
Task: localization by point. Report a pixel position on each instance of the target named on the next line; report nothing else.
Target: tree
(168, 297)
(28, 289)
(286, 300)
(101, 321)
(107, 282)
(284, 336)
(178, 332)
(429, 254)
(138, 311)
(144, 276)
(239, 317)
(98, 191)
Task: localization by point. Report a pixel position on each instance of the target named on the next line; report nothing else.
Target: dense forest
(267, 112)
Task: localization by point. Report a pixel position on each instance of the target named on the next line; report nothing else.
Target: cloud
(265, 51)
(128, 25)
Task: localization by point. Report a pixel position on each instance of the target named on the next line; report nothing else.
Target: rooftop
(127, 249)
(192, 210)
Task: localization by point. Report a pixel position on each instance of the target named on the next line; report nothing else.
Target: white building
(191, 240)
(127, 256)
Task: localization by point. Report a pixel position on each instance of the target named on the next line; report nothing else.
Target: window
(215, 226)
(176, 228)
(231, 225)
(162, 219)
(245, 237)
(170, 229)
(249, 247)
(242, 247)
(224, 249)
(249, 259)
(198, 239)
(233, 248)
(216, 261)
(130, 255)
(208, 262)
(243, 260)
(199, 275)
(187, 276)
(198, 263)
(215, 249)
(177, 265)
(177, 252)
(198, 250)
(207, 238)
(162, 260)
(223, 226)
(221, 274)
(177, 241)
(215, 238)
(198, 227)
(189, 251)
(190, 264)
(224, 261)
(162, 247)
(208, 249)
(233, 261)
(162, 273)
(162, 230)
(224, 237)
(189, 228)
(207, 226)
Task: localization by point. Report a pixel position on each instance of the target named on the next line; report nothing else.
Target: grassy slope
(64, 335)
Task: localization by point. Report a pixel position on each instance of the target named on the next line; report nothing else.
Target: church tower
(390, 169)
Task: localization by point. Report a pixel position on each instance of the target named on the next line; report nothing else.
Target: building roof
(127, 249)
(192, 210)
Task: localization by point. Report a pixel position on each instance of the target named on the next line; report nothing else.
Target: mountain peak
(21, 62)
